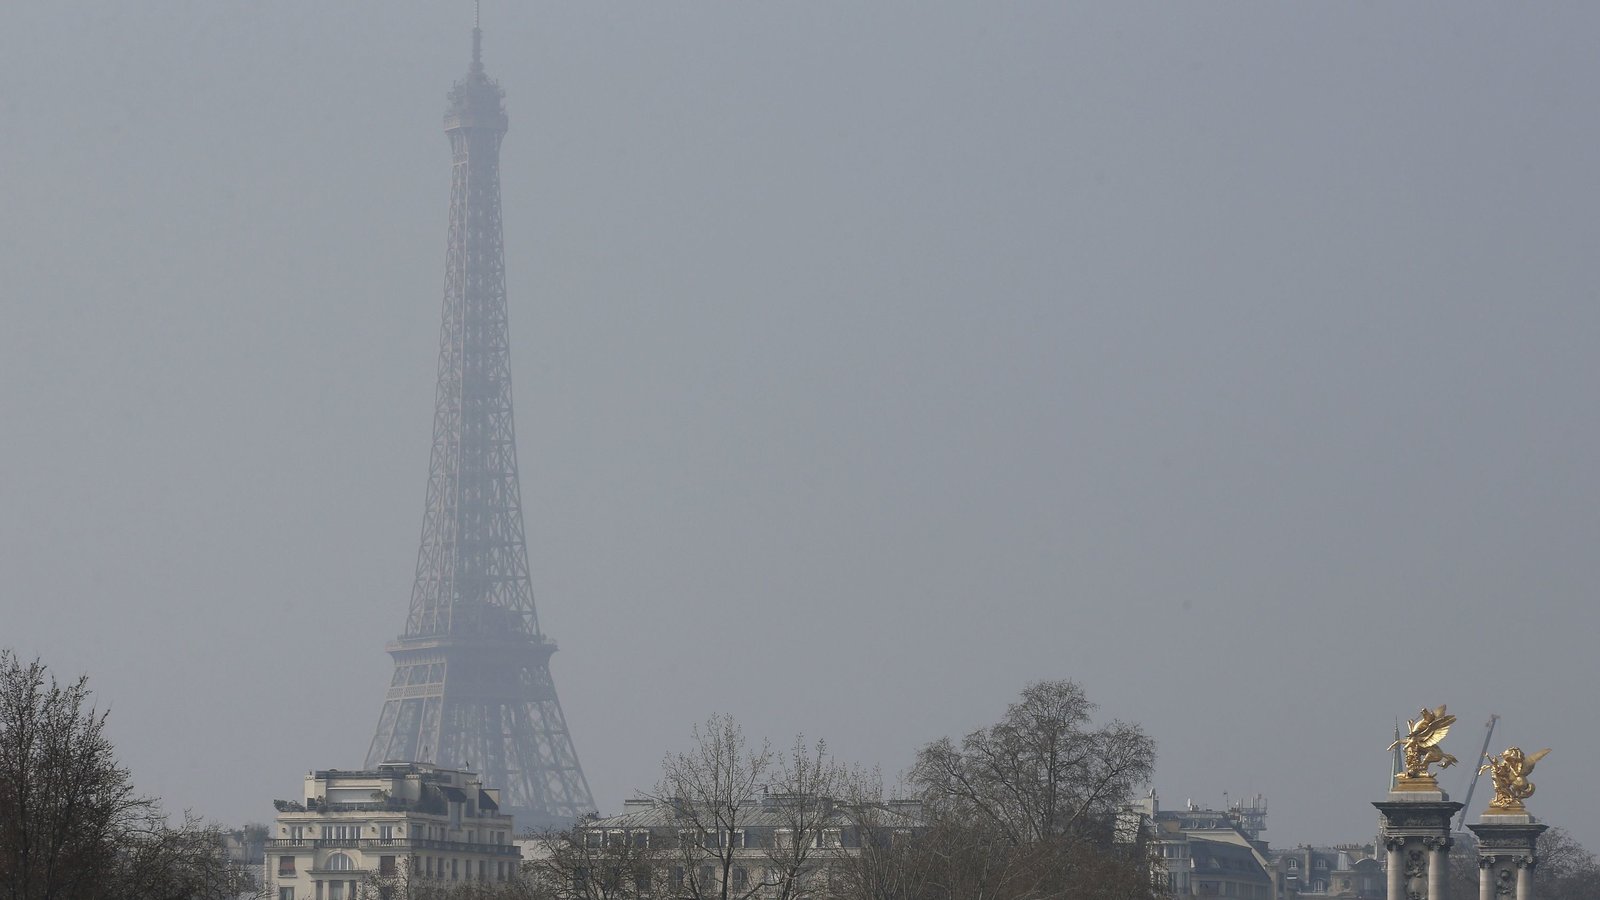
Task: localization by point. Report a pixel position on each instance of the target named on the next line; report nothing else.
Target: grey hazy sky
(1235, 360)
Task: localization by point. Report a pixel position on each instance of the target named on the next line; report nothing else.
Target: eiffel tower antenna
(472, 668)
(477, 36)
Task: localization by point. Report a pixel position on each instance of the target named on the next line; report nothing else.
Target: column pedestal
(1416, 832)
(1507, 855)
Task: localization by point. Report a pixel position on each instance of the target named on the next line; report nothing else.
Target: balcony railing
(395, 843)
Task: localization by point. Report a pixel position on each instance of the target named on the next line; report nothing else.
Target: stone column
(1396, 868)
(1507, 855)
(1416, 832)
(1438, 865)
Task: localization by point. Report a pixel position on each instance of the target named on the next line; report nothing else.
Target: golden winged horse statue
(1422, 751)
(1509, 771)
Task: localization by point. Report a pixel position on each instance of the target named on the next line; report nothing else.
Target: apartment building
(357, 834)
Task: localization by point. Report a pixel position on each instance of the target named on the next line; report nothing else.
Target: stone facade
(762, 843)
(398, 822)
(1506, 856)
(1416, 836)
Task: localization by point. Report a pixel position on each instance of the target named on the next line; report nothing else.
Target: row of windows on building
(1232, 889)
(1293, 865)
(336, 862)
(332, 890)
(427, 866)
(739, 878)
(387, 833)
(824, 839)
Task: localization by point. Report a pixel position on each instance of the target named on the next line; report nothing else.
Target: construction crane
(1477, 769)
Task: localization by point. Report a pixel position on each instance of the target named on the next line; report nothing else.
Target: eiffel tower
(472, 686)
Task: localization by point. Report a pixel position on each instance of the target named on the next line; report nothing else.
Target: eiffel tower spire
(472, 686)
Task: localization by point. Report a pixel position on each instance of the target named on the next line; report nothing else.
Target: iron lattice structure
(472, 686)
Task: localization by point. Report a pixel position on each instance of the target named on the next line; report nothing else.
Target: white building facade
(359, 834)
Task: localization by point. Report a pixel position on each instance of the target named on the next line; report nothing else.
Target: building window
(386, 833)
(741, 878)
(286, 893)
(338, 862)
(335, 890)
(285, 865)
(386, 865)
(455, 875)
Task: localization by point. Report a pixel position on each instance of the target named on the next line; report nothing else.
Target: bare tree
(810, 801)
(156, 861)
(748, 821)
(1041, 772)
(71, 825)
(65, 803)
(1021, 810)
(590, 864)
(714, 790)
(970, 860)
(1567, 870)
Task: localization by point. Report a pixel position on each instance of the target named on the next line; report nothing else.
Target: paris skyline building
(472, 687)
